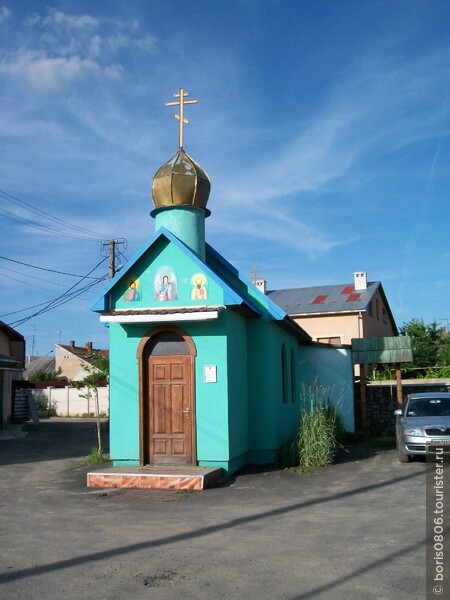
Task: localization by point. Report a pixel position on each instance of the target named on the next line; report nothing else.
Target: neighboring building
(12, 361)
(38, 364)
(334, 314)
(74, 362)
(204, 368)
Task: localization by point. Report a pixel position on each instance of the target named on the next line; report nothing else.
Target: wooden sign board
(382, 350)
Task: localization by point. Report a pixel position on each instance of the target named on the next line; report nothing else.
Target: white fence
(69, 401)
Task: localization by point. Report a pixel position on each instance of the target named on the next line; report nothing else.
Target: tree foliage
(425, 342)
(431, 349)
(44, 376)
(431, 353)
(97, 370)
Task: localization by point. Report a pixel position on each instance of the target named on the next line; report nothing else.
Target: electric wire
(35, 225)
(71, 296)
(62, 298)
(30, 276)
(44, 269)
(14, 312)
(41, 213)
(33, 285)
(57, 302)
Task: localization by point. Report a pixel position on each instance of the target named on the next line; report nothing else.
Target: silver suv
(424, 418)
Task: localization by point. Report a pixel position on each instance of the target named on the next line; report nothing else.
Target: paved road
(351, 531)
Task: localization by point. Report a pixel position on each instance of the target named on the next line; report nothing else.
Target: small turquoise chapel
(205, 369)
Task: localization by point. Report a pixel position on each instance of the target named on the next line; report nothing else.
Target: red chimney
(89, 346)
(72, 343)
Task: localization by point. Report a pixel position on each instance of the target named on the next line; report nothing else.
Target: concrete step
(155, 477)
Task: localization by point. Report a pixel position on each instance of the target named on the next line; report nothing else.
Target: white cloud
(65, 48)
(5, 13)
(51, 73)
(146, 43)
(58, 18)
(118, 41)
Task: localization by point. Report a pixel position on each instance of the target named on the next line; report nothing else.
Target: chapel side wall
(288, 409)
(272, 422)
(262, 389)
(238, 412)
(124, 393)
(331, 368)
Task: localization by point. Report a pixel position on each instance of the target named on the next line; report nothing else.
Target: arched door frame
(142, 356)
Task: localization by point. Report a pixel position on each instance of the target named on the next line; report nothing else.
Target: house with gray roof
(334, 314)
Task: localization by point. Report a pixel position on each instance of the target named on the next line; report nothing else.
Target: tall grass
(320, 427)
(319, 431)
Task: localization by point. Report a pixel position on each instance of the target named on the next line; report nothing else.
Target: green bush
(41, 402)
(95, 457)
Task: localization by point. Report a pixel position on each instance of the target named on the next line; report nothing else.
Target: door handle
(187, 412)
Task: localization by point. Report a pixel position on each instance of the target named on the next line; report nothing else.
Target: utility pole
(112, 245)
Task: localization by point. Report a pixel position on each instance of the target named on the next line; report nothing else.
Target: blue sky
(323, 125)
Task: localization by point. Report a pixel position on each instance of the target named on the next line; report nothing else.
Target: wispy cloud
(51, 73)
(56, 19)
(5, 13)
(63, 48)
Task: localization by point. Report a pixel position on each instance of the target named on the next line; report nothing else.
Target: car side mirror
(398, 412)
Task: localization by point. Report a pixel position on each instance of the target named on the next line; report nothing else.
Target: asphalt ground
(353, 531)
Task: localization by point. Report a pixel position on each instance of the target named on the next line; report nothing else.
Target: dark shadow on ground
(235, 523)
(54, 439)
(350, 453)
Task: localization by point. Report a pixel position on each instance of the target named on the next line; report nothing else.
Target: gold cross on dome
(181, 102)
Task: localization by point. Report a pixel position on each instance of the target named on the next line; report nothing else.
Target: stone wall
(382, 401)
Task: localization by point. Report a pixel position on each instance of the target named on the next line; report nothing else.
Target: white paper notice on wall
(210, 373)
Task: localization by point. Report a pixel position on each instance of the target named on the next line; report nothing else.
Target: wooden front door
(171, 411)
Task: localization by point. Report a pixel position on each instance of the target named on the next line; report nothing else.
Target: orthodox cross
(181, 102)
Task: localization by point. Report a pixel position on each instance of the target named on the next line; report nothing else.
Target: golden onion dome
(180, 182)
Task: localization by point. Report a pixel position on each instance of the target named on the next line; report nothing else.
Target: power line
(29, 276)
(34, 225)
(57, 302)
(73, 294)
(62, 298)
(41, 213)
(38, 287)
(14, 312)
(44, 269)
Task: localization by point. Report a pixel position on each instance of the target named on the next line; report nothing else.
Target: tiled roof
(84, 353)
(324, 299)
